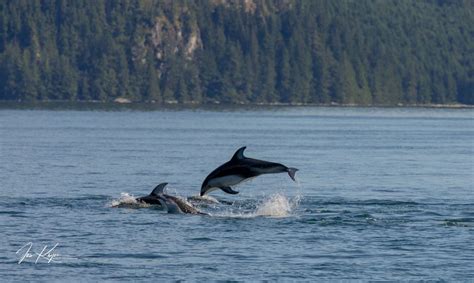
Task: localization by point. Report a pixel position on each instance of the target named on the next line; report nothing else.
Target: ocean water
(382, 193)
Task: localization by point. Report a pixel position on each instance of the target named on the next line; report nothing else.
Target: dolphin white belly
(229, 180)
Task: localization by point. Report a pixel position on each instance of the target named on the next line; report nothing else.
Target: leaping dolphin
(171, 203)
(239, 169)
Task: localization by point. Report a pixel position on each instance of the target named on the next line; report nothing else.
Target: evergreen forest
(362, 52)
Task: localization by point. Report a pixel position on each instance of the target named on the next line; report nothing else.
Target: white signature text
(46, 254)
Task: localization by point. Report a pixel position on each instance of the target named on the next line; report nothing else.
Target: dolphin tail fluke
(292, 172)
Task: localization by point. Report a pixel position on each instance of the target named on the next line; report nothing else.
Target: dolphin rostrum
(239, 169)
(172, 204)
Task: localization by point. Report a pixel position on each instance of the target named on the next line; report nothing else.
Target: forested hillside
(378, 52)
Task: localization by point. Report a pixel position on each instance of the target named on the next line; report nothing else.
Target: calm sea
(382, 193)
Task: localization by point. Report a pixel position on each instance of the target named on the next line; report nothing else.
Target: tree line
(217, 51)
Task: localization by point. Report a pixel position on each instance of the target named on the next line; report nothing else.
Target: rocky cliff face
(256, 6)
(181, 36)
(172, 37)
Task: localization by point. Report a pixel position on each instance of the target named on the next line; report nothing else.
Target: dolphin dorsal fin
(158, 189)
(239, 154)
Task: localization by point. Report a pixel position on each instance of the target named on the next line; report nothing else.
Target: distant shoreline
(77, 105)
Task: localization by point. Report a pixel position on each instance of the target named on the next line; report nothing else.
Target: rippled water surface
(381, 194)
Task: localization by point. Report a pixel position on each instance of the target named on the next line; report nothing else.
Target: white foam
(127, 200)
(276, 205)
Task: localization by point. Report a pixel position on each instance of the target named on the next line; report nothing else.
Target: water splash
(276, 205)
(127, 200)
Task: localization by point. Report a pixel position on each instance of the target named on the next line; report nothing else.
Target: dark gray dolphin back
(159, 190)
